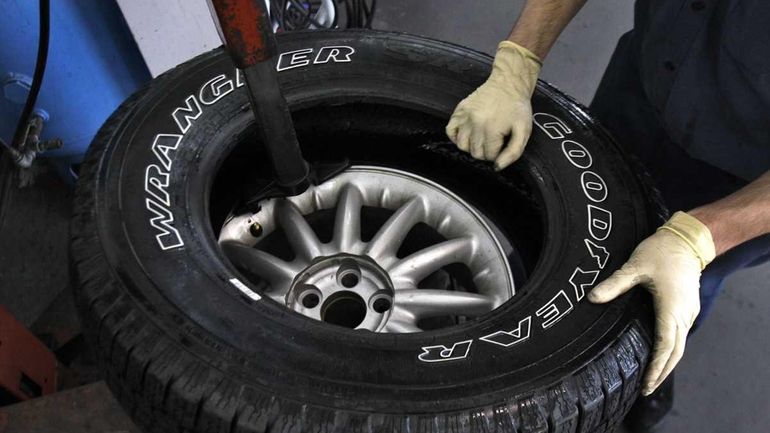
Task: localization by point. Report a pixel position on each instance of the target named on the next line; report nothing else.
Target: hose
(37, 80)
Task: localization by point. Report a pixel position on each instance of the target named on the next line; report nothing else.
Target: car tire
(185, 346)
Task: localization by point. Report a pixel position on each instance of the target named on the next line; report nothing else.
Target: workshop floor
(722, 382)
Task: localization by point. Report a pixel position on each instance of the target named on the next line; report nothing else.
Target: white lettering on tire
(514, 336)
(594, 187)
(577, 154)
(294, 59)
(598, 252)
(158, 172)
(599, 222)
(553, 127)
(581, 280)
(440, 353)
(185, 116)
(304, 57)
(599, 228)
(156, 181)
(555, 309)
(338, 54)
(215, 89)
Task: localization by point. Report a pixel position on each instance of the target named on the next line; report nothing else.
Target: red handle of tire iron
(245, 28)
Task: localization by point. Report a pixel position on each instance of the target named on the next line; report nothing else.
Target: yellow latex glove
(669, 265)
(498, 108)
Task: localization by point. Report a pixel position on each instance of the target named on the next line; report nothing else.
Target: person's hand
(669, 265)
(499, 108)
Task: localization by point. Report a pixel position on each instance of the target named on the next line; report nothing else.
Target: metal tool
(244, 26)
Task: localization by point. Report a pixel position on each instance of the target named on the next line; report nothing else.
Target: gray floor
(722, 382)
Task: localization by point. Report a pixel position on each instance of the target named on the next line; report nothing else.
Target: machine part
(325, 16)
(16, 87)
(319, 173)
(106, 70)
(466, 238)
(25, 153)
(288, 15)
(27, 367)
(245, 28)
(26, 142)
(359, 13)
(25, 120)
(180, 330)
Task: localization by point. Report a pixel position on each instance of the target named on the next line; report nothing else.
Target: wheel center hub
(345, 290)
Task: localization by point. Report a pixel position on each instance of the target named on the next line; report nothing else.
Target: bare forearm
(541, 22)
(739, 217)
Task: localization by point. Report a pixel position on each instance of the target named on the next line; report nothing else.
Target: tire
(184, 350)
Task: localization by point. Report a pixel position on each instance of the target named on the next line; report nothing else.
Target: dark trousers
(621, 104)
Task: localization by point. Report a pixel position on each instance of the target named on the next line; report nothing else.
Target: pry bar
(245, 29)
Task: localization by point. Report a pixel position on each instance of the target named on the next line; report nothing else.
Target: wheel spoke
(390, 236)
(302, 238)
(279, 297)
(387, 282)
(430, 303)
(278, 273)
(347, 224)
(401, 321)
(419, 265)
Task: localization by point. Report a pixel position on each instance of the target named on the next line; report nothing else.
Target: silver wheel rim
(347, 280)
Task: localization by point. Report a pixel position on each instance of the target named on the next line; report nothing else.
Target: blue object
(16, 87)
(93, 65)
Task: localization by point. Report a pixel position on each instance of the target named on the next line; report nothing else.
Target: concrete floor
(722, 382)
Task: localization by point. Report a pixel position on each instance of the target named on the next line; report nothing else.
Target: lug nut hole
(349, 280)
(381, 305)
(349, 274)
(311, 300)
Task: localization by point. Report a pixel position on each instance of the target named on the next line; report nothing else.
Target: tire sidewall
(153, 192)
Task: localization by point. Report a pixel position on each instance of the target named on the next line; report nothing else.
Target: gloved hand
(498, 108)
(669, 265)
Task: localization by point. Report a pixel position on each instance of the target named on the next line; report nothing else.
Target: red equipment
(27, 367)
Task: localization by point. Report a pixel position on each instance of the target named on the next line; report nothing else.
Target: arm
(501, 108)
(541, 22)
(739, 217)
(669, 265)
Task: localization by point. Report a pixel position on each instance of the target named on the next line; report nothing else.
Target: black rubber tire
(184, 350)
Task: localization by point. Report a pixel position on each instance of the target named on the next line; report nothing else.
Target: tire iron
(245, 29)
